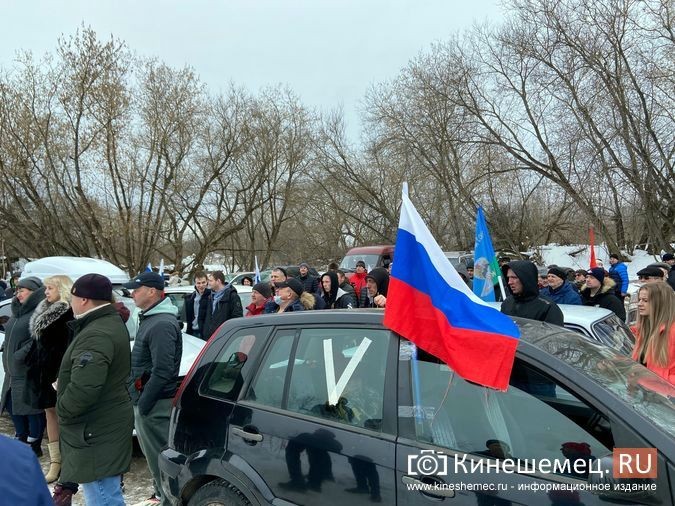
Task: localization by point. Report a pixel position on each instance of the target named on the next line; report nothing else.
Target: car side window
(339, 374)
(268, 386)
(536, 418)
(228, 372)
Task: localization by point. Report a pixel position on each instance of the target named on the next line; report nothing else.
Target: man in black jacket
(155, 365)
(524, 300)
(223, 303)
(669, 258)
(309, 282)
(196, 305)
(599, 291)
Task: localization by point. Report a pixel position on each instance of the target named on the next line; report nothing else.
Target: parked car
(597, 324)
(373, 256)
(293, 271)
(236, 278)
(459, 257)
(331, 408)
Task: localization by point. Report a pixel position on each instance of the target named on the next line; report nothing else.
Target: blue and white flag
(485, 265)
(148, 268)
(257, 271)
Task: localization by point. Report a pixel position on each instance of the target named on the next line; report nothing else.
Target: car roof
(365, 250)
(573, 314)
(74, 267)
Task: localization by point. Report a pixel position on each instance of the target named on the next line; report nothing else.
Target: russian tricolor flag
(429, 303)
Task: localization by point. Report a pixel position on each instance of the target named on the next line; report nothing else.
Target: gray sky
(328, 52)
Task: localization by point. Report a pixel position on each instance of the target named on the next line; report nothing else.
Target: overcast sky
(328, 52)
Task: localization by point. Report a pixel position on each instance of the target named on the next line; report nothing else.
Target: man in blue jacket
(559, 290)
(619, 273)
(22, 480)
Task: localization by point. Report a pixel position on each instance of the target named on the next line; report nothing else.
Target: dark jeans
(26, 426)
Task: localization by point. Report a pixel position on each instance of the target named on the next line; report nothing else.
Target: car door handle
(249, 436)
(439, 492)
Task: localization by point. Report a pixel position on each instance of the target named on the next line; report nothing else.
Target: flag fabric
(257, 271)
(591, 237)
(148, 268)
(161, 267)
(429, 304)
(486, 270)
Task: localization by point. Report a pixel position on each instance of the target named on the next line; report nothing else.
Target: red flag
(591, 233)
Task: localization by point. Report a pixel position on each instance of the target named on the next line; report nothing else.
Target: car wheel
(218, 493)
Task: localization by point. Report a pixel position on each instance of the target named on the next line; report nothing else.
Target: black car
(331, 408)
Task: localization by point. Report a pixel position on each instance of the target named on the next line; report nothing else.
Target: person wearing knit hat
(261, 294)
(309, 283)
(619, 273)
(92, 383)
(559, 290)
(28, 424)
(599, 291)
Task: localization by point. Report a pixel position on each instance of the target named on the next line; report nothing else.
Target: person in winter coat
(261, 294)
(669, 259)
(223, 303)
(309, 283)
(291, 296)
(22, 481)
(344, 283)
(28, 421)
(464, 273)
(51, 336)
(196, 305)
(358, 279)
(559, 290)
(92, 401)
(619, 273)
(334, 296)
(524, 300)
(155, 364)
(655, 330)
(375, 292)
(599, 291)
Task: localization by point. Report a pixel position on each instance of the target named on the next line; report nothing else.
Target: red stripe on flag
(481, 357)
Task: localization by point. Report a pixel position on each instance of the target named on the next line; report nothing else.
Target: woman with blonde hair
(51, 336)
(655, 330)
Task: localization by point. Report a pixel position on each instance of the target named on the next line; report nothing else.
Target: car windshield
(613, 332)
(349, 262)
(648, 394)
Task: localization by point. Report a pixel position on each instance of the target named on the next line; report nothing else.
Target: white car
(177, 295)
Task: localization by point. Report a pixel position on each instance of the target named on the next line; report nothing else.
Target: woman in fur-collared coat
(48, 326)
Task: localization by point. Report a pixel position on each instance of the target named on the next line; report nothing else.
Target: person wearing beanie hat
(558, 289)
(261, 294)
(599, 291)
(619, 273)
(309, 283)
(358, 280)
(91, 385)
(28, 421)
(290, 296)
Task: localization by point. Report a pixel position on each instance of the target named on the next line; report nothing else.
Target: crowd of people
(69, 369)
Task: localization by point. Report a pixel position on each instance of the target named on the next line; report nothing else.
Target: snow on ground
(577, 256)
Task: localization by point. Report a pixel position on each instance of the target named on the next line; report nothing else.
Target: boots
(54, 462)
(37, 447)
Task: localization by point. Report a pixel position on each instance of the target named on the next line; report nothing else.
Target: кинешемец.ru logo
(634, 463)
